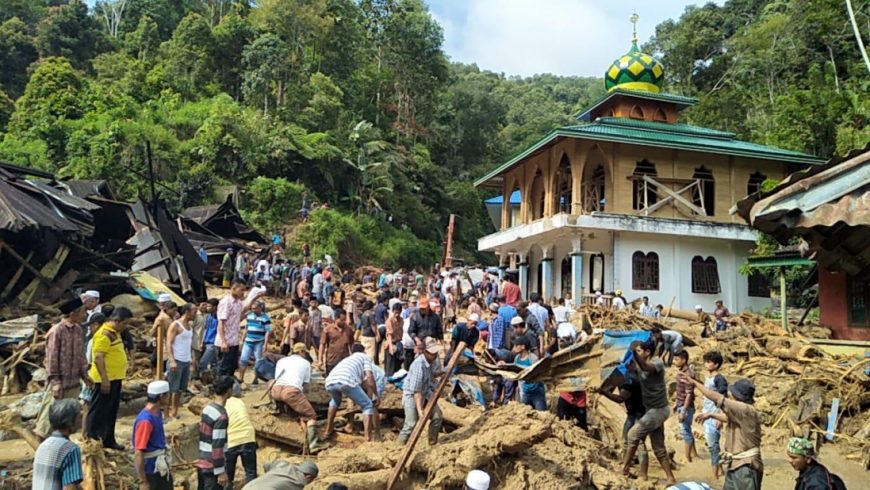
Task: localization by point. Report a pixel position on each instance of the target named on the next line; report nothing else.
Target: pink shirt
(230, 312)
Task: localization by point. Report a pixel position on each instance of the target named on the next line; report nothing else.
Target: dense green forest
(355, 102)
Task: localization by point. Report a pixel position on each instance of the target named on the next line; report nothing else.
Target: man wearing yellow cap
(292, 374)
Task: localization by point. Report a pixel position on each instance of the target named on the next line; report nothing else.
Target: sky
(564, 37)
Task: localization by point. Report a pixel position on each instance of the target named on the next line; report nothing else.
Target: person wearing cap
(227, 266)
(477, 480)
(258, 328)
(352, 377)
(417, 390)
(618, 302)
(282, 475)
(57, 463)
(425, 323)
(179, 341)
(108, 371)
(162, 322)
(91, 300)
(741, 443)
(650, 371)
(335, 342)
(533, 394)
(241, 439)
(600, 300)
(812, 475)
(393, 350)
(465, 332)
(65, 362)
(152, 461)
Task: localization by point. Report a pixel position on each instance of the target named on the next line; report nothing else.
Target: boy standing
(712, 427)
(212, 474)
(684, 405)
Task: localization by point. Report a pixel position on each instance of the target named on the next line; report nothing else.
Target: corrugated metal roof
(19, 211)
(827, 206)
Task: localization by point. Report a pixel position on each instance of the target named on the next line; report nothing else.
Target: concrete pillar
(523, 266)
(577, 272)
(502, 265)
(547, 273)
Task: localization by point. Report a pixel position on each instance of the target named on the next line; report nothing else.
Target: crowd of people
(392, 325)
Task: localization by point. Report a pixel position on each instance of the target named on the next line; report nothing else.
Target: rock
(29, 405)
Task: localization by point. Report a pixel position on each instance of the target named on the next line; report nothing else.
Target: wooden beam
(48, 273)
(672, 195)
(12, 282)
(97, 255)
(26, 264)
(421, 422)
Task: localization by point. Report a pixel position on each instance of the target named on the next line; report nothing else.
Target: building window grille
(705, 276)
(645, 271)
(759, 285)
(859, 299)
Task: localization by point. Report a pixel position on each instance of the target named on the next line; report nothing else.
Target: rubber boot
(314, 444)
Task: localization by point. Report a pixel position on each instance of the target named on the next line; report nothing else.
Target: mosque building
(631, 199)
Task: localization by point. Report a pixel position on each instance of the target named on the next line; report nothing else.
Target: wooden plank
(47, 274)
(421, 423)
(672, 196)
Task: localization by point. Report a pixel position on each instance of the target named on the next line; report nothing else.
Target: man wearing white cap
(477, 480)
(704, 320)
(152, 462)
(417, 389)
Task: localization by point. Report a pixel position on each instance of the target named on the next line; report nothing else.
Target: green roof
(661, 135)
(680, 100)
(764, 262)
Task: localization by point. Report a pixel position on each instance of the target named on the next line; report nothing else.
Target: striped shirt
(256, 327)
(213, 438)
(419, 378)
(57, 463)
(351, 371)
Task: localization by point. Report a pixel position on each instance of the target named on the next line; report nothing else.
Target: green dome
(635, 71)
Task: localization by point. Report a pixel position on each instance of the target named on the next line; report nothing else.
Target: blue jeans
(356, 393)
(711, 432)
(686, 424)
(536, 399)
(208, 359)
(248, 349)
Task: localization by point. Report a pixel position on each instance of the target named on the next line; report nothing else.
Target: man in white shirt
(561, 313)
(292, 373)
(647, 309)
(353, 377)
(618, 301)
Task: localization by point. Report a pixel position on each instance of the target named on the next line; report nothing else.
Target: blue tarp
(617, 343)
(516, 198)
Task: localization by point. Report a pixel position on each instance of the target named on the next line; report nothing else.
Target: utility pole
(448, 252)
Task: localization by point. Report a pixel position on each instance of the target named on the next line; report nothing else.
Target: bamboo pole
(782, 298)
(421, 423)
(160, 341)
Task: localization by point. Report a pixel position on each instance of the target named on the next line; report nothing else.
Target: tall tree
(70, 32)
(17, 52)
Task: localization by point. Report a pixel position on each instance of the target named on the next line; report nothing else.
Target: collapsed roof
(827, 206)
(224, 220)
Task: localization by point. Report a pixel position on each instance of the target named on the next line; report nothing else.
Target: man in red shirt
(511, 291)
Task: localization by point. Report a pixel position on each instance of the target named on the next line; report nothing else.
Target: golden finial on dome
(634, 18)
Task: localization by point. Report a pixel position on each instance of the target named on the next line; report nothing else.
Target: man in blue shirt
(152, 461)
(209, 352)
(258, 326)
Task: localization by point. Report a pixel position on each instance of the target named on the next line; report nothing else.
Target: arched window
(704, 194)
(636, 112)
(755, 182)
(564, 185)
(660, 115)
(705, 276)
(593, 188)
(645, 271)
(644, 194)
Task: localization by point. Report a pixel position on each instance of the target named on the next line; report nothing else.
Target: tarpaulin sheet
(616, 345)
(149, 287)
